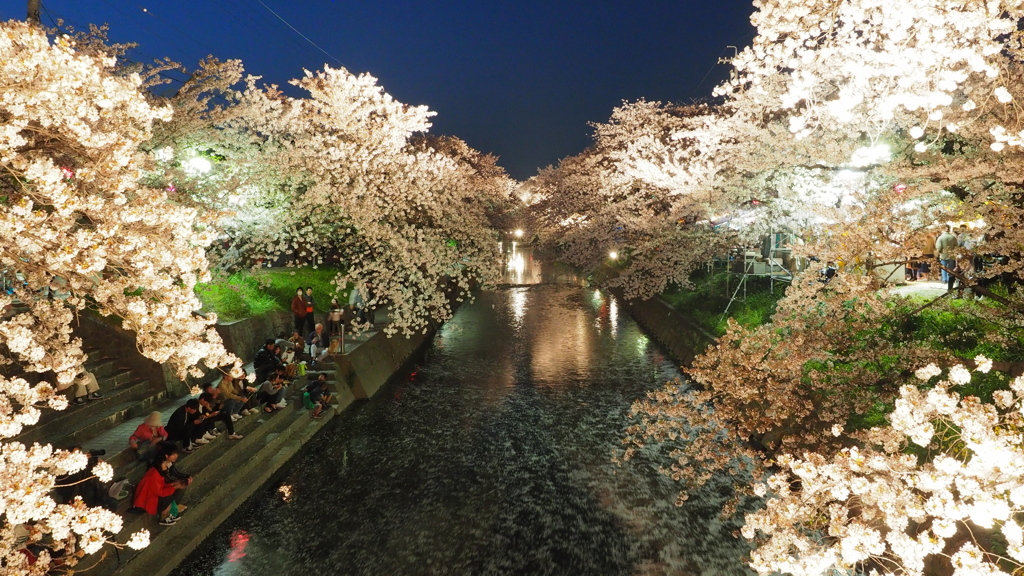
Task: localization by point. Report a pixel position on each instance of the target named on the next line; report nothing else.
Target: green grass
(711, 294)
(246, 293)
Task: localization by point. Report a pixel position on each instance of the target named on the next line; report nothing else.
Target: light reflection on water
(494, 458)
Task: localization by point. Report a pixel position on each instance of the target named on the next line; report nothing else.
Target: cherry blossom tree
(952, 505)
(80, 234)
(902, 117)
(342, 176)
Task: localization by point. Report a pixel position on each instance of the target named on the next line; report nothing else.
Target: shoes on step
(202, 441)
(80, 400)
(169, 521)
(236, 436)
(208, 436)
(95, 395)
(236, 417)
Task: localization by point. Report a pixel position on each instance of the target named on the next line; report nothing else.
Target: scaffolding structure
(768, 262)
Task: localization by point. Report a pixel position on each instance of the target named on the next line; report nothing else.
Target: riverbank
(228, 472)
(491, 457)
(680, 336)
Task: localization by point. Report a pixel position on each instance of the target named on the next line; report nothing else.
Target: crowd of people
(277, 366)
(961, 258)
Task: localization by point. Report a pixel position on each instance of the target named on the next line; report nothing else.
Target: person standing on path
(334, 316)
(945, 247)
(299, 310)
(310, 324)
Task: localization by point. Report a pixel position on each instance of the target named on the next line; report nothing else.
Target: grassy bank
(247, 293)
(958, 327)
(706, 302)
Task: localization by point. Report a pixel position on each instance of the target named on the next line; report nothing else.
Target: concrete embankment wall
(244, 337)
(680, 336)
(373, 363)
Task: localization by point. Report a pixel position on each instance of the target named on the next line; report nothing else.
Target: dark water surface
(493, 457)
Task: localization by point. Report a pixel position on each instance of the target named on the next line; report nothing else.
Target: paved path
(922, 289)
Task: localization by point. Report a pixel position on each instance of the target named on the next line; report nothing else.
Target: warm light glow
(516, 264)
(868, 155)
(518, 233)
(519, 305)
(613, 317)
(285, 491)
(613, 255)
(198, 165)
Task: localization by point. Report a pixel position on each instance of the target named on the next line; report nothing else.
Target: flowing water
(494, 456)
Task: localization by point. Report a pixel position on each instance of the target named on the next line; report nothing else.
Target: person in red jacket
(154, 493)
(299, 310)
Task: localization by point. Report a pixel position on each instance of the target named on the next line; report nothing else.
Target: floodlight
(198, 164)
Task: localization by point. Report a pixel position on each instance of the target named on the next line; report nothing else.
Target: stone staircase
(124, 397)
(226, 472)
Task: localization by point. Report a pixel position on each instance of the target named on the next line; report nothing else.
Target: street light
(198, 164)
(613, 255)
(518, 233)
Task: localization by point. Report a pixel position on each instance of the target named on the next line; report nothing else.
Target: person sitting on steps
(183, 426)
(266, 360)
(147, 437)
(211, 405)
(232, 397)
(271, 393)
(154, 494)
(86, 387)
(319, 341)
(318, 395)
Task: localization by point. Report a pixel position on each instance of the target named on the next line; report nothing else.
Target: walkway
(921, 289)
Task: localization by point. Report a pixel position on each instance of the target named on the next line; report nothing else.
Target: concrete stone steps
(120, 396)
(100, 366)
(226, 473)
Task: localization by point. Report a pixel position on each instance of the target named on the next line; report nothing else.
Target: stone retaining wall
(680, 336)
(372, 364)
(244, 337)
(116, 342)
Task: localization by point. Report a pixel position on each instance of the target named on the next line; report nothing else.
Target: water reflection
(522, 267)
(495, 458)
(518, 300)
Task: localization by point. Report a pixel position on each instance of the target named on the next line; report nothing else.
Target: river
(493, 456)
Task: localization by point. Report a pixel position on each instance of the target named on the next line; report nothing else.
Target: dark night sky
(519, 78)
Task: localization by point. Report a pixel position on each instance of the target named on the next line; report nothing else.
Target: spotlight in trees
(869, 155)
(518, 233)
(613, 255)
(198, 165)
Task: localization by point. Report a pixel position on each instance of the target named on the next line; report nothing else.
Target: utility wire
(331, 56)
(263, 24)
(718, 58)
